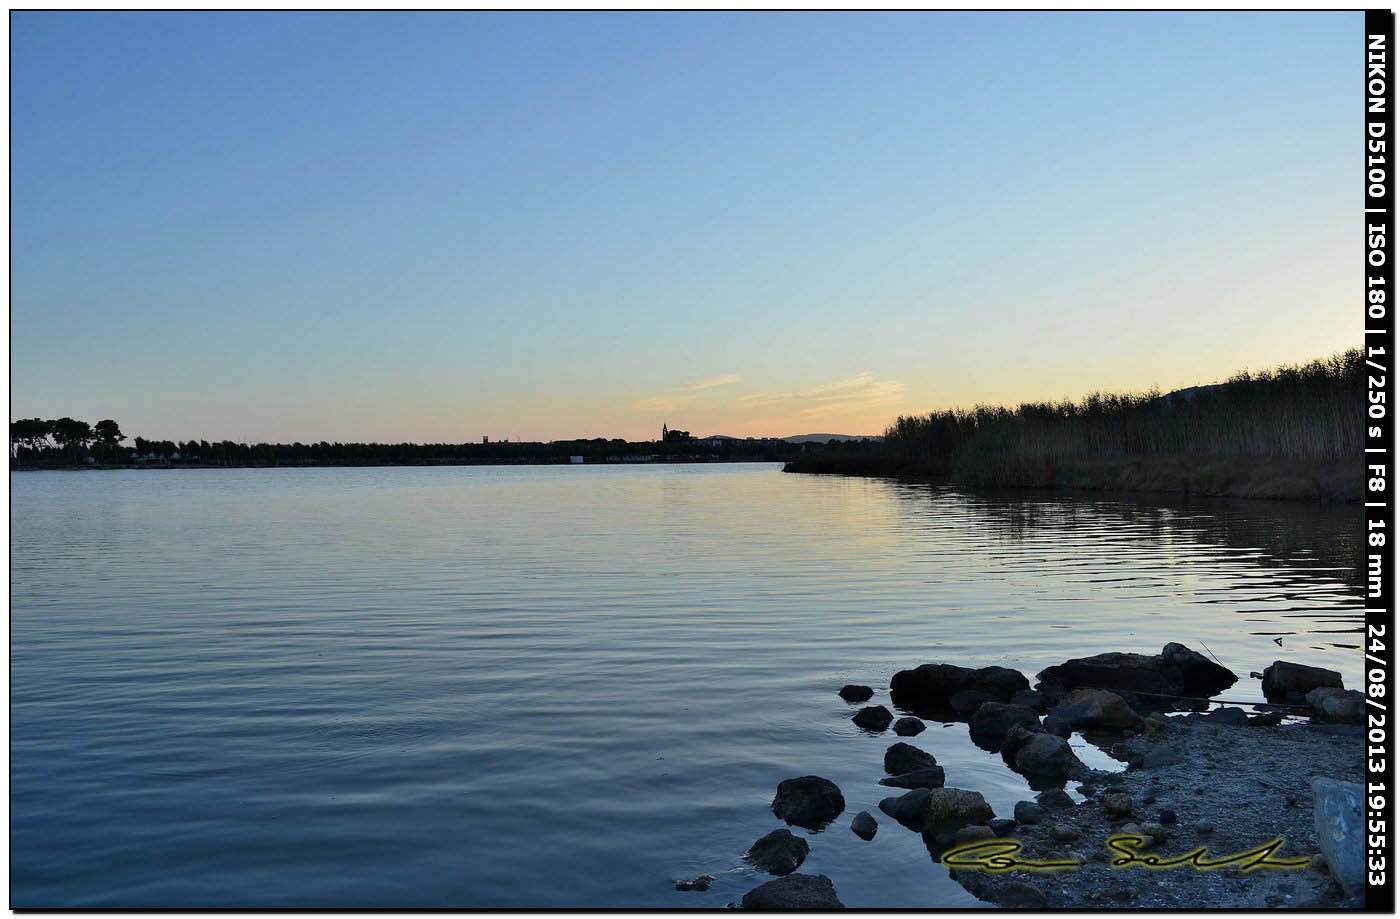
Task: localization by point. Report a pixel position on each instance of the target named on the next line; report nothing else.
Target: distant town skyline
(430, 227)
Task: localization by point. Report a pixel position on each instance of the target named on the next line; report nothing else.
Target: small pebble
(1118, 804)
(1064, 832)
(1156, 831)
(1204, 826)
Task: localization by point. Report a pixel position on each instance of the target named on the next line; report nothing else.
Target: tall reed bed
(1312, 412)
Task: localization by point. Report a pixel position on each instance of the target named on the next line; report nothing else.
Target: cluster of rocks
(1107, 696)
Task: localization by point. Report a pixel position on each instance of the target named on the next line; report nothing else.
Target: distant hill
(1190, 392)
(803, 438)
(823, 438)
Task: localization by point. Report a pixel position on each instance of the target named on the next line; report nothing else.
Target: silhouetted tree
(108, 435)
(72, 435)
(31, 433)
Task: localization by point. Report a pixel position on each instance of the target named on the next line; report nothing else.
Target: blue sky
(369, 226)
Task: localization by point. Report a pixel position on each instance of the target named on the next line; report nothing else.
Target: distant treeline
(65, 442)
(1297, 425)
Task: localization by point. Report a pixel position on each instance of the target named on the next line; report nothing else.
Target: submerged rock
(854, 693)
(796, 891)
(1290, 683)
(809, 801)
(989, 726)
(902, 757)
(908, 727)
(702, 883)
(1141, 680)
(927, 777)
(950, 809)
(864, 826)
(873, 718)
(907, 808)
(1329, 703)
(779, 852)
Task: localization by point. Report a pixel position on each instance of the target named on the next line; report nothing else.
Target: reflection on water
(551, 686)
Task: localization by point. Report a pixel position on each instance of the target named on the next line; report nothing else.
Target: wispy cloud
(860, 391)
(662, 403)
(710, 382)
(687, 392)
(835, 399)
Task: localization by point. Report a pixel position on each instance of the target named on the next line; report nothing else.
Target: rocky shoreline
(1209, 790)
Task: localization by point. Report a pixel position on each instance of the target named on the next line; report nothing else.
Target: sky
(536, 226)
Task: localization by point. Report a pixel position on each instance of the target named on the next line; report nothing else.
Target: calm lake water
(563, 686)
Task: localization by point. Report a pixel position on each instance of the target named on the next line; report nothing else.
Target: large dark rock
(1200, 675)
(855, 693)
(779, 852)
(907, 808)
(1088, 709)
(1329, 703)
(1290, 683)
(927, 777)
(1146, 682)
(873, 718)
(796, 891)
(1230, 714)
(1055, 799)
(902, 757)
(950, 809)
(1038, 755)
(1030, 699)
(928, 688)
(993, 720)
(1339, 819)
(966, 702)
(809, 801)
